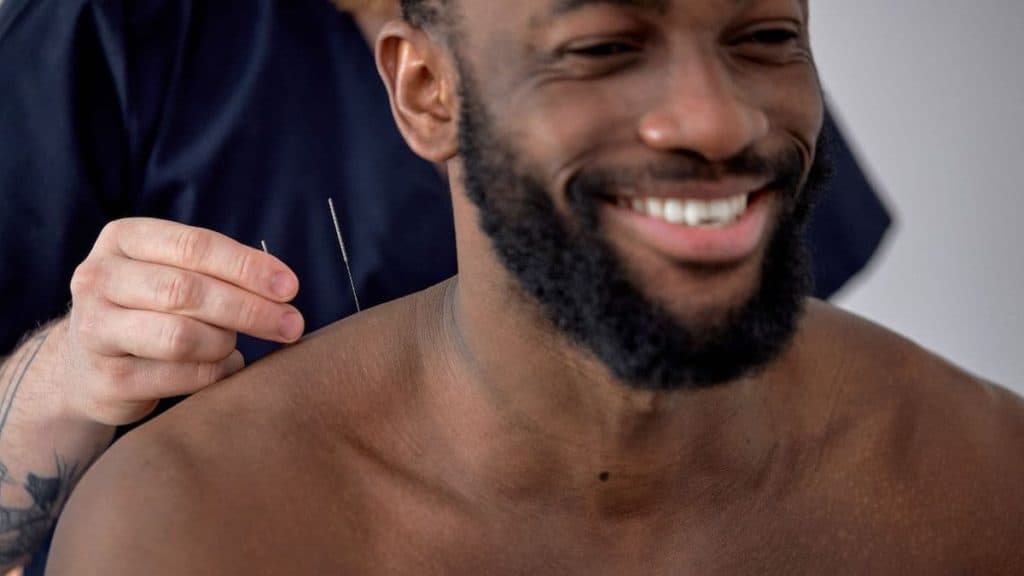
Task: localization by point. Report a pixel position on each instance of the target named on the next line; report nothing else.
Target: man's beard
(586, 292)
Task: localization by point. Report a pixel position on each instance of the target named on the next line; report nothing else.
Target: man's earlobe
(413, 68)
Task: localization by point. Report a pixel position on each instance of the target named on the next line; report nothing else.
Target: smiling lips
(709, 230)
(691, 212)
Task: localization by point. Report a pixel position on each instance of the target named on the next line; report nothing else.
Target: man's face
(637, 164)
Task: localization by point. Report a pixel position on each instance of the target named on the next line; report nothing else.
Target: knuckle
(192, 246)
(246, 266)
(249, 313)
(206, 373)
(177, 340)
(85, 278)
(110, 231)
(113, 234)
(115, 372)
(221, 343)
(178, 292)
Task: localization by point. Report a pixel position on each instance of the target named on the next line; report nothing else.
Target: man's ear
(420, 86)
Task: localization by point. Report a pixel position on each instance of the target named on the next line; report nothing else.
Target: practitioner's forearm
(43, 449)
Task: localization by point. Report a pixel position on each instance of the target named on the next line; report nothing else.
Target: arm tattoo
(10, 387)
(23, 529)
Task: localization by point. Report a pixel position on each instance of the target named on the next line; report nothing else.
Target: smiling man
(626, 376)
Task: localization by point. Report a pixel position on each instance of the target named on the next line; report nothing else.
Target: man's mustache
(783, 170)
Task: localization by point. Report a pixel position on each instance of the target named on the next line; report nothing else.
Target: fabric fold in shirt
(849, 222)
(239, 116)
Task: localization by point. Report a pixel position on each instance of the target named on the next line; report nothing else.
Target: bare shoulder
(163, 499)
(891, 368)
(135, 512)
(243, 476)
(937, 446)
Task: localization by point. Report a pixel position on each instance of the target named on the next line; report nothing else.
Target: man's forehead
(549, 9)
(563, 6)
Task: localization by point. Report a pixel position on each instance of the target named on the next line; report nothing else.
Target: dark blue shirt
(242, 116)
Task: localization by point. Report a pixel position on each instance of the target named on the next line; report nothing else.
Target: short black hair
(424, 13)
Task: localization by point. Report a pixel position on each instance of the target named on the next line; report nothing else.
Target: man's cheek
(573, 122)
(800, 112)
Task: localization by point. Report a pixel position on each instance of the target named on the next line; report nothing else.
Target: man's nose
(702, 113)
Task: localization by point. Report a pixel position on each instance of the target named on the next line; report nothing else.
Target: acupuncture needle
(344, 252)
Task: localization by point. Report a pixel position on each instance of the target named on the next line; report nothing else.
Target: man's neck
(536, 416)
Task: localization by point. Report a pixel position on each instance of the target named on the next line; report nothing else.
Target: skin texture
(456, 431)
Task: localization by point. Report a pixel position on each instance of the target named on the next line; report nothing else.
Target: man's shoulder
(925, 434)
(272, 458)
(890, 360)
(142, 500)
(885, 375)
(193, 489)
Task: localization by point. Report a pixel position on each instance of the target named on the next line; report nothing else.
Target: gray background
(931, 92)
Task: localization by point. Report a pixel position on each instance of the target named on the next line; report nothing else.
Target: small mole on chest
(603, 476)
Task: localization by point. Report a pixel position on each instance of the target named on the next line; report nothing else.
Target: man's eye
(603, 50)
(770, 37)
(781, 45)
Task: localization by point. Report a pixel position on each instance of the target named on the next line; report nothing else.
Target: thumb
(212, 373)
(232, 365)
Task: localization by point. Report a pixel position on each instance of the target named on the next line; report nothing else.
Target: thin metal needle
(344, 253)
(264, 244)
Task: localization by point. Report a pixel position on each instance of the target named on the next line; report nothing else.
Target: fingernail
(291, 326)
(282, 284)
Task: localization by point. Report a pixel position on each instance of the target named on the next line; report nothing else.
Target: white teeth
(675, 212)
(655, 207)
(696, 212)
(692, 212)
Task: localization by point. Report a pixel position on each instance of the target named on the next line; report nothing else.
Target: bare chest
(400, 531)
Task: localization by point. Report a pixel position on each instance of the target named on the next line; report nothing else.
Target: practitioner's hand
(156, 311)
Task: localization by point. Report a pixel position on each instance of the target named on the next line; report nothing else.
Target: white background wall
(931, 93)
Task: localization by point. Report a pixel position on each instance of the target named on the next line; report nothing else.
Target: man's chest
(438, 539)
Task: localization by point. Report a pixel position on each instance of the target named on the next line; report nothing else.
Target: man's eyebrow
(562, 7)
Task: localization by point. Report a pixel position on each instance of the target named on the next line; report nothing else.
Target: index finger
(202, 251)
